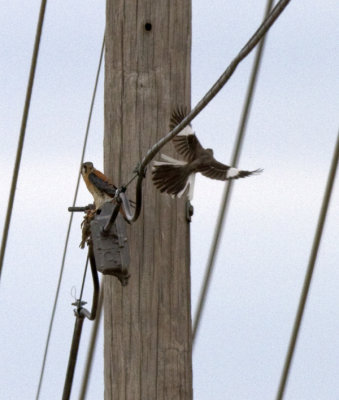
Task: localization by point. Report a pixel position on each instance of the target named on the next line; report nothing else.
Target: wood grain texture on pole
(148, 338)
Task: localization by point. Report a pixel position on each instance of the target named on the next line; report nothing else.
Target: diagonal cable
(22, 131)
(70, 223)
(229, 184)
(309, 272)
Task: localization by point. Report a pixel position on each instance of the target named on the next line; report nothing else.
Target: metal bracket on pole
(79, 209)
(107, 231)
(110, 246)
(189, 211)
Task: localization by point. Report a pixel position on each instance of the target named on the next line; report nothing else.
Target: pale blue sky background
(265, 247)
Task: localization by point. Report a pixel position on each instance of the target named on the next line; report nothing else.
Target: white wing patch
(169, 160)
(190, 185)
(232, 172)
(191, 181)
(186, 131)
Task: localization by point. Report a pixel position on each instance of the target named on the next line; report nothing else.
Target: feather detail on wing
(185, 143)
(101, 175)
(102, 184)
(168, 160)
(190, 185)
(222, 172)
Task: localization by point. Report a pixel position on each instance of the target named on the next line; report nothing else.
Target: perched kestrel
(98, 184)
(174, 176)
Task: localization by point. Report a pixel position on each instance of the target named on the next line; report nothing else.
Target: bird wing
(223, 172)
(100, 181)
(215, 170)
(185, 143)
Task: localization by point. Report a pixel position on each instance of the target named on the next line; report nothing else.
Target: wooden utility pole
(148, 341)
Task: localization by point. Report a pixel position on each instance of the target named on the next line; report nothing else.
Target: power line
(309, 271)
(22, 132)
(229, 184)
(70, 222)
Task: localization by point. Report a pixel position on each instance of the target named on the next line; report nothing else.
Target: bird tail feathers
(172, 176)
(234, 173)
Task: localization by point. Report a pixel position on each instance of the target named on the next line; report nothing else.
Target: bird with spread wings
(175, 177)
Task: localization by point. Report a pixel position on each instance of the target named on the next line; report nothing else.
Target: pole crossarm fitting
(82, 209)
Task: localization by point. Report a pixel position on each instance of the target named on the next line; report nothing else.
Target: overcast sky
(242, 341)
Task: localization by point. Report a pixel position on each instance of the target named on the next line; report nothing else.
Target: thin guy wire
(91, 348)
(214, 90)
(70, 222)
(22, 132)
(229, 184)
(309, 272)
(130, 181)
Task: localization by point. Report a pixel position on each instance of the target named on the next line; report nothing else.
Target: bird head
(87, 168)
(209, 151)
